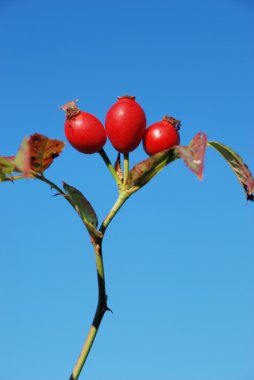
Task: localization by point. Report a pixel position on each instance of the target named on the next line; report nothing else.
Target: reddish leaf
(35, 154)
(22, 159)
(240, 169)
(43, 151)
(194, 154)
(10, 159)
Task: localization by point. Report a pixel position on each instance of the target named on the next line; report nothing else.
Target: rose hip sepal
(83, 130)
(125, 124)
(161, 135)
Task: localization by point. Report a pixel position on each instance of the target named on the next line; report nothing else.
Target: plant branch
(50, 183)
(53, 186)
(102, 297)
(100, 311)
(123, 196)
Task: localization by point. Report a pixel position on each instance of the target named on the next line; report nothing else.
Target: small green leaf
(84, 209)
(194, 154)
(43, 151)
(7, 164)
(6, 168)
(240, 169)
(22, 159)
(144, 171)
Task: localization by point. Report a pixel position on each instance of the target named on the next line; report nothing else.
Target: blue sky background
(179, 256)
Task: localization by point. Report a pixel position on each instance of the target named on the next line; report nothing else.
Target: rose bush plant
(125, 126)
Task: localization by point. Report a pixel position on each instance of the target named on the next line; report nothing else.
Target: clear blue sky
(179, 257)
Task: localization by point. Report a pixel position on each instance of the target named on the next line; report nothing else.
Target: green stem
(97, 245)
(126, 168)
(53, 186)
(102, 297)
(14, 178)
(100, 311)
(120, 201)
(50, 183)
(111, 168)
(84, 353)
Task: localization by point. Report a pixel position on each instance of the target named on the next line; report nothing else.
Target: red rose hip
(83, 130)
(125, 124)
(161, 136)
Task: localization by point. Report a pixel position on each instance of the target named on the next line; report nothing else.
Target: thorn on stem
(108, 309)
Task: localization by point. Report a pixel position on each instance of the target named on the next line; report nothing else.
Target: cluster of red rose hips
(125, 126)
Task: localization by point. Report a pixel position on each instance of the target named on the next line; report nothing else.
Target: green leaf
(84, 209)
(144, 171)
(240, 169)
(22, 159)
(43, 151)
(194, 154)
(7, 164)
(6, 168)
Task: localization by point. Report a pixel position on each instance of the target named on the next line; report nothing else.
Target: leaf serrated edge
(92, 230)
(216, 145)
(200, 138)
(157, 162)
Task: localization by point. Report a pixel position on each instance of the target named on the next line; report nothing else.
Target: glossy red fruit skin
(161, 136)
(125, 124)
(83, 130)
